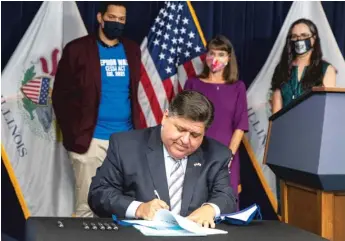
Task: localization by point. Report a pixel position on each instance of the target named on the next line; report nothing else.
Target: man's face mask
(302, 46)
(113, 30)
(215, 64)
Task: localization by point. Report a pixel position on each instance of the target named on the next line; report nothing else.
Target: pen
(114, 226)
(94, 227)
(86, 226)
(60, 224)
(156, 194)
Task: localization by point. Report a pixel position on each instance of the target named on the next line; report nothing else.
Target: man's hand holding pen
(148, 210)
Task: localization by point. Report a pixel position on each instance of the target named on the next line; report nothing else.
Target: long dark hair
(230, 73)
(313, 75)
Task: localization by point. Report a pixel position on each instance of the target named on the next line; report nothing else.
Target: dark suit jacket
(134, 168)
(77, 90)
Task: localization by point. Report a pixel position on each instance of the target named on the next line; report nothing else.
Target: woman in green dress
(301, 66)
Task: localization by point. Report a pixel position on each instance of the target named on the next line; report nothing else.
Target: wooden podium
(306, 151)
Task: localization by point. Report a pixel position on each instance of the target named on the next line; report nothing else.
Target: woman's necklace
(216, 84)
(294, 90)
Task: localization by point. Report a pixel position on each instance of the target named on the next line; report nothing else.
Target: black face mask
(112, 30)
(301, 46)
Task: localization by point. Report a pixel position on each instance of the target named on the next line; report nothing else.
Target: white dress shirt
(169, 164)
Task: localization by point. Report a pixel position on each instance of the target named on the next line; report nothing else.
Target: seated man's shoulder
(215, 149)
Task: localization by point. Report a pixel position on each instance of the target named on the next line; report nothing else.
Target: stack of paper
(166, 223)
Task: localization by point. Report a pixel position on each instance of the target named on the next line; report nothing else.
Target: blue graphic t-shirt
(115, 108)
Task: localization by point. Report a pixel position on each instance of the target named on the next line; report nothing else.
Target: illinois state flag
(31, 147)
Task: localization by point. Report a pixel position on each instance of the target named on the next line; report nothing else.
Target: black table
(46, 229)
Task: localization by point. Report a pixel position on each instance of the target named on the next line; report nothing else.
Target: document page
(194, 227)
(168, 232)
(152, 224)
(166, 223)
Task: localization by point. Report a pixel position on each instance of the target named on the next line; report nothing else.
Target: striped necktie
(176, 186)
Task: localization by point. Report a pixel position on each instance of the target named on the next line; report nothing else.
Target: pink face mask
(214, 64)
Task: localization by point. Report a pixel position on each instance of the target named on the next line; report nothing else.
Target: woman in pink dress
(219, 82)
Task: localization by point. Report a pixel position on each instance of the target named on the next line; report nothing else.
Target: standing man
(95, 95)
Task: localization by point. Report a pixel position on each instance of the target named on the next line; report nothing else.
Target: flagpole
(14, 182)
(196, 21)
(261, 176)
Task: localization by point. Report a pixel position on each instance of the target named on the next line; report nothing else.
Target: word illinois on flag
(172, 52)
(32, 148)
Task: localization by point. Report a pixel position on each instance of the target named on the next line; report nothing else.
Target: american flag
(172, 52)
(37, 90)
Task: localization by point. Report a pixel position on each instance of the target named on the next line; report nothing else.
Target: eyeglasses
(295, 37)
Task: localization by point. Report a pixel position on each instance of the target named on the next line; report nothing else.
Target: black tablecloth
(46, 228)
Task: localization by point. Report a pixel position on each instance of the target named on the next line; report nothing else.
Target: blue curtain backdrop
(251, 26)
